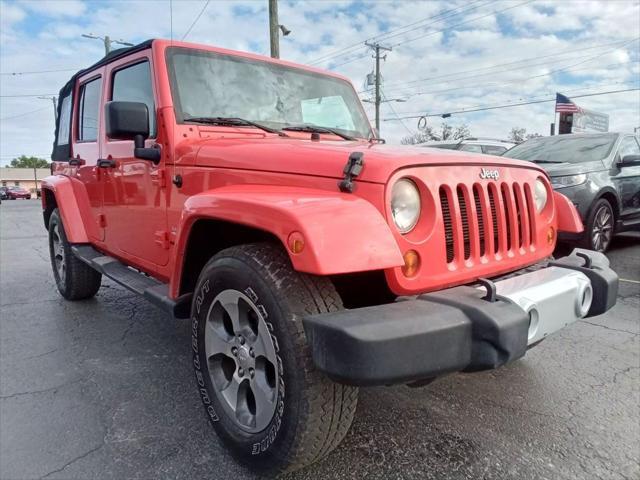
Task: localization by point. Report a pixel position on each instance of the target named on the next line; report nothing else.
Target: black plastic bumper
(457, 329)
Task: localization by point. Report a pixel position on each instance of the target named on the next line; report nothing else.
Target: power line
(39, 71)
(385, 36)
(393, 110)
(23, 114)
(519, 80)
(29, 95)
(495, 107)
(491, 67)
(206, 4)
(495, 12)
(462, 23)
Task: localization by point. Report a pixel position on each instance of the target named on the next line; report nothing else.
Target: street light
(107, 41)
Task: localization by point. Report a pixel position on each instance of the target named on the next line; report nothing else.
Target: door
(134, 189)
(627, 180)
(86, 127)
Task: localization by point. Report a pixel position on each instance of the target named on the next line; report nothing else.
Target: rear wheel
(600, 226)
(75, 279)
(260, 390)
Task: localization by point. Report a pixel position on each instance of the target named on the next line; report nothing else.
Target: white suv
(489, 146)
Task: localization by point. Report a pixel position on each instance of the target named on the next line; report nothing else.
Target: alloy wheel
(242, 360)
(58, 253)
(602, 229)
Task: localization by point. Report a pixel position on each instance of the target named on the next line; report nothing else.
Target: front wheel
(599, 227)
(253, 367)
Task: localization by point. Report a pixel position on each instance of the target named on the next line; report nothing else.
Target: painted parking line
(629, 281)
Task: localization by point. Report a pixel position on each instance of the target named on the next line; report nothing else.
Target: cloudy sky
(446, 56)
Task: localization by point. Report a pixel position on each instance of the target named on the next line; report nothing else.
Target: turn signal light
(411, 263)
(551, 236)
(296, 242)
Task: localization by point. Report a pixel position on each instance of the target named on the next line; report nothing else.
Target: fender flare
(569, 220)
(342, 233)
(73, 204)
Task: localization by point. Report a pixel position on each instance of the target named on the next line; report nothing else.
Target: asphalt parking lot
(104, 389)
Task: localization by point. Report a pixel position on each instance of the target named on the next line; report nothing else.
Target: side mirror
(629, 161)
(130, 121)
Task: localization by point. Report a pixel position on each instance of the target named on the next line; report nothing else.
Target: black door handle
(76, 162)
(106, 163)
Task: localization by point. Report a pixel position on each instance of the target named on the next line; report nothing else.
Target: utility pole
(107, 41)
(273, 29)
(274, 26)
(378, 98)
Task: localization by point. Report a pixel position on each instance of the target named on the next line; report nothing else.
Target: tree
(28, 162)
(519, 135)
(447, 132)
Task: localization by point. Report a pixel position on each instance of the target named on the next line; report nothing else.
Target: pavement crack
(74, 460)
(610, 328)
(35, 392)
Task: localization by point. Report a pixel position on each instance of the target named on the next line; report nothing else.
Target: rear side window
(471, 148)
(88, 110)
(65, 121)
(133, 84)
(493, 150)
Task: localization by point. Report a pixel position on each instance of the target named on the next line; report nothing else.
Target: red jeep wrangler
(252, 196)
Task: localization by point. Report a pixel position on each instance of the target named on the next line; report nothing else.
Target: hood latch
(352, 169)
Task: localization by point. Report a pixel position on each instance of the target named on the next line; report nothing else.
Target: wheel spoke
(264, 403)
(214, 343)
(233, 310)
(230, 393)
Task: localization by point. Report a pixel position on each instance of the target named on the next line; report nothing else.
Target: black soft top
(61, 153)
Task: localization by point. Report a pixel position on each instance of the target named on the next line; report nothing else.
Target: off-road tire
(593, 223)
(313, 413)
(79, 281)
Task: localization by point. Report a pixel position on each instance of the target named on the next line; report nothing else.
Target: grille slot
(464, 214)
(448, 226)
(520, 212)
(480, 215)
(494, 217)
(507, 213)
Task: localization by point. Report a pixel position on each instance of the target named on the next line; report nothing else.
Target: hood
(566, 168)
(327, 158)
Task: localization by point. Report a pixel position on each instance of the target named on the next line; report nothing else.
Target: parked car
(14, 193)
(250, 195)
(599, 173)
(488, 146)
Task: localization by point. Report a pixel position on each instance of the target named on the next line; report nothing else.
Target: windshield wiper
(546, 161)
(318, 129)
(235, 122)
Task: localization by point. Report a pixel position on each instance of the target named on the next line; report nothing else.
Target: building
(23, 177)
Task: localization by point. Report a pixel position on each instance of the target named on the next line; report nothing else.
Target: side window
(471, 148)
(493, 149)
(133, 84)
(88, 111)
(628, 146)
(64, 121)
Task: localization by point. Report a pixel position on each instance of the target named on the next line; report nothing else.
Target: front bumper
(460, 329)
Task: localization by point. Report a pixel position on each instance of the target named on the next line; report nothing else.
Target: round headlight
(540, 195)
(405, 205)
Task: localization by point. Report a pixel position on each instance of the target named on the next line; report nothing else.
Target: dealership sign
(590, 121)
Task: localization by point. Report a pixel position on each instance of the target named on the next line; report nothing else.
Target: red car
(18, 192)
(251, 196)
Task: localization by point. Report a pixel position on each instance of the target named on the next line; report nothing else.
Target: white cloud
(46, 35)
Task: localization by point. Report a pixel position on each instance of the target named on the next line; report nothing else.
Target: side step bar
(154, 291)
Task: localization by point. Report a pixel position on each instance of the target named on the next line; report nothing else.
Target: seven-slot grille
(486, 219)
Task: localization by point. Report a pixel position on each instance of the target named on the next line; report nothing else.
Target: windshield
(561, 148)
(206, 84)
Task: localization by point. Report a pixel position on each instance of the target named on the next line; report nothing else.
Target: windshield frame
(615, 138)
(170, 52)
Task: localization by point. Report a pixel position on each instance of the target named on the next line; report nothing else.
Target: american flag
(565, 105)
